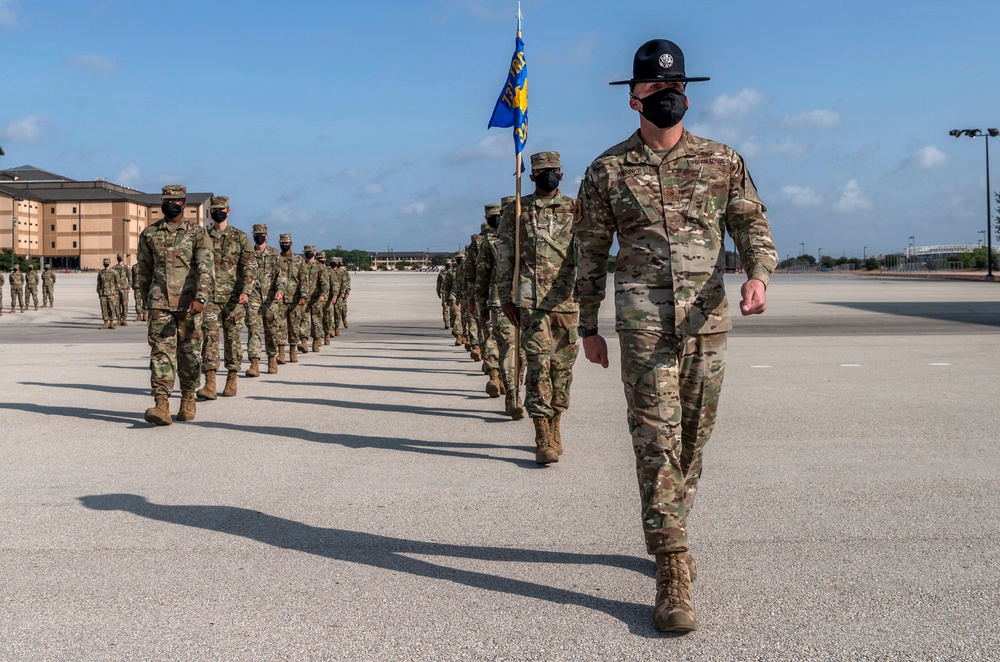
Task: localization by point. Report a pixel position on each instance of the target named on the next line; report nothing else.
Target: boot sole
(492, 390)
(676, 620)
(227, 395)
(184, 418)
(205, 396)
(546, 458)
(156, 420)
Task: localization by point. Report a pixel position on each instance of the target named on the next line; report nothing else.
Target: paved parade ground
(371, 502)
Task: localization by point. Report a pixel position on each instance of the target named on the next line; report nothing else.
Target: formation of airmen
(192, 284)
(24, 288)
(668, 197)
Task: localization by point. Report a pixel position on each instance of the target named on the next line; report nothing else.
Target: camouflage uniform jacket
(135, 276)
(265, 275)
(309, 281)
(176, 265)
(487, 293)
(48, 278)
(124, 275)
(448, 285)
(669, 215)
(548, 260)
(31, 279)
(345, 282)
(336, 284)
(290, 267)
(471, 259)
(326, 276)
(107, 282)
(461, 278)
(234, 257)
(16, 280)
(440, 280)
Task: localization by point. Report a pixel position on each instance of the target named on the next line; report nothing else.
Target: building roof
(404, 255)
(29, 173)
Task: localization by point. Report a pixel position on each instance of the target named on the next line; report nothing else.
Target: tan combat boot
(254, 369)
(43, 306)
(159, 413)
(103, 326)
(346, 325)
(123, 322)
(138, 318)
(493, 386)
(514, 405)
(458, 339)
(293, 354)
(674, 610)
(272, 365)
(556, 436)
(36, 306)
(210, 390)
(230, 389)
(336, 332)
(326, 338)
(281, 356)
(544, 453)
(315, 347)
(302, 347)
(187, 409)
(111, 324)
(476, 354)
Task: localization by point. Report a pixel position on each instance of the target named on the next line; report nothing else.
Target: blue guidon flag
(512, 106)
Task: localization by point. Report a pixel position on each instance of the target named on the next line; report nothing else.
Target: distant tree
(808, 259)
(5, 259)
(872, 264)
(438, 260)
(404, 265)
(612, 263)
(827, 262)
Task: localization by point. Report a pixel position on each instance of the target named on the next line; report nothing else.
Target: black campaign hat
(658, 60)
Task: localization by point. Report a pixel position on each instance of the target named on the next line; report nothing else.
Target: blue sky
(364, 124)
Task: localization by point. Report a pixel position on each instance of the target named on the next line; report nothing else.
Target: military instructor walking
(669, 196)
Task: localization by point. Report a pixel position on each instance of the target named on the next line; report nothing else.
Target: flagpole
(517, 256)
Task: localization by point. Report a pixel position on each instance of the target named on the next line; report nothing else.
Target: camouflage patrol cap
(260, 228)
(460, 254)
(285, 239)
(309, 248)
(507, 199)
(544, 160)
(219, 202)
(493, 209)
(174, 192)
(321, 256)
(120, 256)
(485, 227)
(338, 260)
(107, 261)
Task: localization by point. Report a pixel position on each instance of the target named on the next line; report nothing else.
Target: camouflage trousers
(139, 309)
(549, 342)
(31, 296)
(455, 315)
(16, 297)
(292, 315)
(314, 320)
(47, 299)
(503, 334)
(445, 312)
(174, 341)
(229, 317)
(109, 306)
(122, 304)
(263, 319)
(471, 326)
(672, 386)
(488, 344)
(339, 313)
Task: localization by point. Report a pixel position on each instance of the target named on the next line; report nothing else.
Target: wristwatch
(584, 332)
(201, 300)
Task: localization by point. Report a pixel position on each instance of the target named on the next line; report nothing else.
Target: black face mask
(259, 239)
(547, 181)
(310, 255)
(493, 221)
(285, 247)
(171, 209)
(665, 108)
(219, 216)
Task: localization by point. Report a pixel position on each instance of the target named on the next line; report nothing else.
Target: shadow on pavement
(378, 406)
(133, 417)
(386, 368)
(986, 313)
(389, 389)
(394, 554)
(126, 390)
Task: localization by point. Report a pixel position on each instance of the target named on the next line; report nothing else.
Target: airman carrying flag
(512, 106)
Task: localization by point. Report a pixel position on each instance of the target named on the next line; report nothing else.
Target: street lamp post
(979, 133)
(819, 258)
(910, 254)
(125, 246)
(13, 224)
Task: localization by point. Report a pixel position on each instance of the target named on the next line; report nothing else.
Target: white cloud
(785, 147)
(27, 129)
(372, 190)
(499, 146)
(852, 199)
(284, 216)
(579, 53)
(801, 196)
(96, 64)
(737, 105)
(8, 18)
(930, 157)
(129, 176)
(413, 209)
(812, 120)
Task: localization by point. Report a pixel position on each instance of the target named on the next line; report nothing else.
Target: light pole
(979, 133)
(802, 248)
(819, 258)
(910, 253)
(125, 246)
(13, 224)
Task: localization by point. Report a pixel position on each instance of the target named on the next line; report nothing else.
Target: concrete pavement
(371, 502)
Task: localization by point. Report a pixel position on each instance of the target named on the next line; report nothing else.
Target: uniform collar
(638, 153)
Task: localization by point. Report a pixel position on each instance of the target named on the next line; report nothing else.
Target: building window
(53, 244)
(74, 227)
(53, 228)
(53, 210)
(74, 244)
(74, 210)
